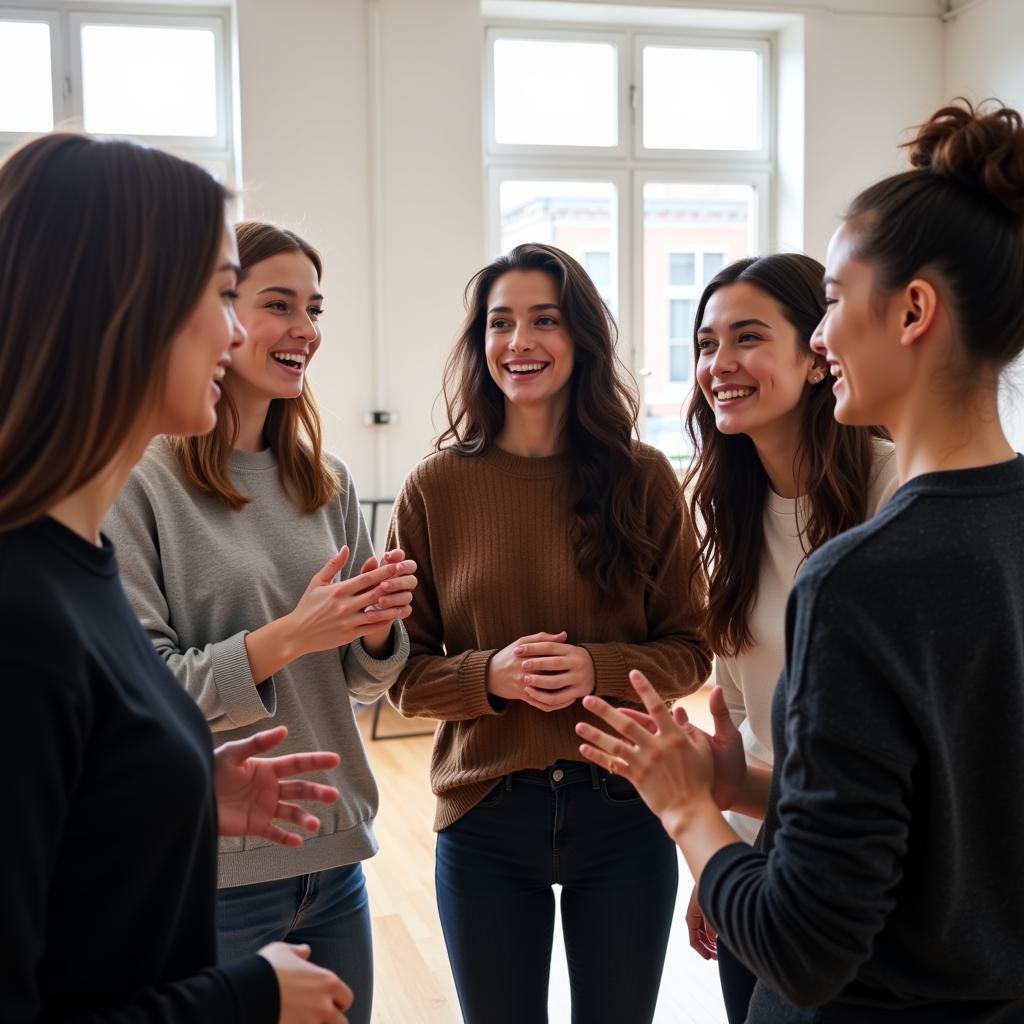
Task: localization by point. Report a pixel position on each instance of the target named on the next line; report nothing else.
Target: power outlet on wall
(380, 418)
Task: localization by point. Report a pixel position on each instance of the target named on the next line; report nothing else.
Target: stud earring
(817, 377)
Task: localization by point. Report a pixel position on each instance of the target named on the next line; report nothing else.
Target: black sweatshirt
(108, 859)
(892, 871)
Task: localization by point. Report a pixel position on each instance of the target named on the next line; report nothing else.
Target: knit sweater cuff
(257, 993)
(243, 701)
(473, 685)
(379, 667)
(610, 675)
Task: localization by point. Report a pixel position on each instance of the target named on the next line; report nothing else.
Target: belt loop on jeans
(595, 778)
(508, 783)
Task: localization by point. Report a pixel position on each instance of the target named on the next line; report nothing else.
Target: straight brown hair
(292, 430)
(728, 484)
(105, 249)
(613, 546)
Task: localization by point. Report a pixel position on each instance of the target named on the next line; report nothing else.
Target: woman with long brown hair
(117, 280)
(247, 559)
(554, 551)
(886, 886)
(774, 477)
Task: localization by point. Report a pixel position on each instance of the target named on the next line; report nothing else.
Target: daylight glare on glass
(701, 99)
(149, 81)
(26, 87)
(553, 93)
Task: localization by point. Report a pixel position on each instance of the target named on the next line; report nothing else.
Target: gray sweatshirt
(200, 576)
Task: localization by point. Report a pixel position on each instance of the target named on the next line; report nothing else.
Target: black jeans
(737, 984)
(589, 832)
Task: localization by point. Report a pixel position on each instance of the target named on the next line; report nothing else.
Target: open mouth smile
(525, 370)
(730, 395)
(293, 362)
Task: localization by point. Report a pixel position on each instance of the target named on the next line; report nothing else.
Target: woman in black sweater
(887, 883)
(116, 283)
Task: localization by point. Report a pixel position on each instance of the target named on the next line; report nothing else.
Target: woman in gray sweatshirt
(246, 557)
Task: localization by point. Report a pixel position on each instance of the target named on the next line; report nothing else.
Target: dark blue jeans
(328, 910)
(573, 825)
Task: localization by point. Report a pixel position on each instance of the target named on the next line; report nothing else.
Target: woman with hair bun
(887, 883)
(555, 552)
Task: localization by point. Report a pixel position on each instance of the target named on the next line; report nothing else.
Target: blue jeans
(328, 910)
(589, 832)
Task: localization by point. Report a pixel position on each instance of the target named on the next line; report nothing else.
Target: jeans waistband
(557, 775)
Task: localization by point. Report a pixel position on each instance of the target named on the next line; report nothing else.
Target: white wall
(984, 50)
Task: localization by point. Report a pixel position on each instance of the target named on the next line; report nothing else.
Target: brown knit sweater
(491, 536)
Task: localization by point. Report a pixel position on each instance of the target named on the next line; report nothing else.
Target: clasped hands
(541, 670)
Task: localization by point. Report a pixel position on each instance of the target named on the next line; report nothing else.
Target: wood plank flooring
(413, 981)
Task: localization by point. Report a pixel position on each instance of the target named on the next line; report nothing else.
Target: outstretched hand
(253, 791)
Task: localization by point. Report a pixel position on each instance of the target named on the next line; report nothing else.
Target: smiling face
(871, 371)
(752, 368)
(202, 351)
(529, 352)
(279, 304)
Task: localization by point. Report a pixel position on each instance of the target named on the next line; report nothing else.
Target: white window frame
(629, 165)
(66, 19)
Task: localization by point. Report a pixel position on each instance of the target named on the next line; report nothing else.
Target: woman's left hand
(253, 791)
(397, 592)
(556, 675)
(667, 759)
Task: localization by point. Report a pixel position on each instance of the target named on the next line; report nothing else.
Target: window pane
(713, 263)
(577, 216)
(679, 363)
(26, 85)
(701, 98)
(149, 81)
(680, 268)
(680, 320)
(680, 220)
(599, 267)
(552, 93)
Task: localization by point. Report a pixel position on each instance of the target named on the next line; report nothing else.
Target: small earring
(817, 377)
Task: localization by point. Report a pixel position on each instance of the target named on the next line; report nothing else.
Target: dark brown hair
(292, 429)
(960, 214)
(726, 482)
(609, 531)
(105, 249)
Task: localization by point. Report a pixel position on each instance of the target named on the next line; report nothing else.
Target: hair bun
(983, 148)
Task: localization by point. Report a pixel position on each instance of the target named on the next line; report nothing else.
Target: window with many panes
(647, 157)
(162, 78)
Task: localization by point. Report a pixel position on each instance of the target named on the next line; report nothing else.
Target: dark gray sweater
(891, 879)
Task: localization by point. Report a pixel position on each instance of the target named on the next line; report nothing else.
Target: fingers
(314, 792)
(334, 565)
(542, 649)
(614, 717)
(610, 764)
(297, 816)
(559, 638)
(394, 555)
(652, 700)
(367, 581)
(370, 563)
(550, 698)
(552, 663)
(300, 949)
(720, 712)
(642, 718)
(280, 836)
(307, 761)
(342, 995)
(603, 741)
(258, 743)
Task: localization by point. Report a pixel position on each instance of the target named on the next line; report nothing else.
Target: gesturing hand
(671, 765)
(309, 994)
(396, 593)
(252, 791)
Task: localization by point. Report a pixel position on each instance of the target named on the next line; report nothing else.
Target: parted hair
(613, 545)
(726, 482)
(959, 212)
(292, 429)
(105, 249)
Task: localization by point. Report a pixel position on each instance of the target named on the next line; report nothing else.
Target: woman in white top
(774, 477)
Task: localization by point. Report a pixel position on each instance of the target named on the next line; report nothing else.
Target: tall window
(647, 157)
(161, 78)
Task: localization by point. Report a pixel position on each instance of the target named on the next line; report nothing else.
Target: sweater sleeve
(217, 676)
(367, 677)
(48, 737)
(674, 657)
(804, 917)
(433, 684)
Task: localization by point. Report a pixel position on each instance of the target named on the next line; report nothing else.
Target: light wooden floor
(413, 982)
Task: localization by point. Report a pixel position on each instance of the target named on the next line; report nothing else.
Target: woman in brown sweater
(554, 553)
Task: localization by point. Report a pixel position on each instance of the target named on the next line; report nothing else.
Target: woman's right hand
(309, 994)
(703, 938)
(505, 669)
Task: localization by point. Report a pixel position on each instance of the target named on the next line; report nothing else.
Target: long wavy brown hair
(728, 485)
(292, 430)
(609, 531)
(105, 249)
